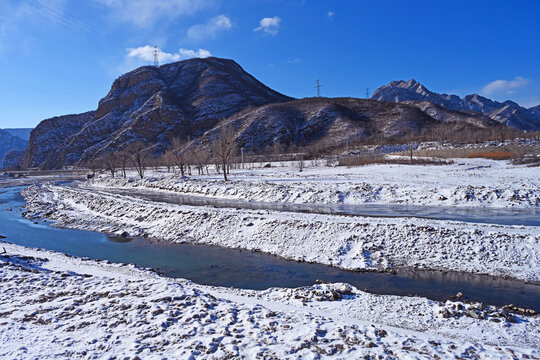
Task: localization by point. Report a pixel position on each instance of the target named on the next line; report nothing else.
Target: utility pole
(367, 93)
(156, 56)
(318, 87)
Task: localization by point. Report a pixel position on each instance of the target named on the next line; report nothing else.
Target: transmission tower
(318, 87)
(156, 56)
(367, 93)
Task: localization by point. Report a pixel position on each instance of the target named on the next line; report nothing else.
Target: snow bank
(347, 242)
(54, 306)
(467, 182)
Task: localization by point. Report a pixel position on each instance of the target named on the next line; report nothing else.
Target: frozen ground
(57, 306)
(346, 242)
(54, 306)
(467, 182)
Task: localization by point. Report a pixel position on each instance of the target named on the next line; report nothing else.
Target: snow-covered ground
(346, 242)
(55, 306)
(466, 182)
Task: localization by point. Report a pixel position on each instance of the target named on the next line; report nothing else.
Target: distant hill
(193, 99)
(22, 133)
(508, 113)
(9, 143)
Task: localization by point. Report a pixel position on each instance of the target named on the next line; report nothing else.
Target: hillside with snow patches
(9, 143)
(193, 99)
(508, 113)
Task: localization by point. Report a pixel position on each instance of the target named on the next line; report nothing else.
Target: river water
(212, 265)
(501, 216)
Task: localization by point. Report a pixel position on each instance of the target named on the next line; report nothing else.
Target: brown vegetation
(380, 159)
(493, 155)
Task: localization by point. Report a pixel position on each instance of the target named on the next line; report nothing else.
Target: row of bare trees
(138, 155)
(220, 150)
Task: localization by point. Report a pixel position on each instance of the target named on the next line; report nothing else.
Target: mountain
(182, 99)
(193, 99)
(48, 139)
(9, 143)
(23, 133)
(13, 160)
(325, 123)
(508, 113)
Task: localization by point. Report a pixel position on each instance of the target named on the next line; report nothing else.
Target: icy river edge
(351, 243)
(121, 310)
(57, 306)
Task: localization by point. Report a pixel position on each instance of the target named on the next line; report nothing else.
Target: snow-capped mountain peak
(507, 112)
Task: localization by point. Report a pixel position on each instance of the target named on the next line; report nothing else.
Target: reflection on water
(503, 216)
(212, 265)
(119, 239)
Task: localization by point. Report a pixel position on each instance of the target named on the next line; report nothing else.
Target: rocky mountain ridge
(9, 143)
(193, 99)
(508, 112)
(182, 99)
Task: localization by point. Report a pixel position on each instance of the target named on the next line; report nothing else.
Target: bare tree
(139, 156)
(201, 159)
(180, 159)
(411, 151)
(168, 160)
(95, 166)
(110, 162)
(123, 161)
(224, 147)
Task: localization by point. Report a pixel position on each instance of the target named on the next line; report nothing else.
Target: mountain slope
(23, 133)
(508, 113)
(48, 138)
(9, 143)
(153, 105)
(332, 122)
(193, 99)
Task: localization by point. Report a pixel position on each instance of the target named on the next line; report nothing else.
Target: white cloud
(146, 54)
(293, 61)
(201, 53)
(146, 13)
(210, 28)
(269, 25)
(331, 14)
(507, 87)
(19, 19)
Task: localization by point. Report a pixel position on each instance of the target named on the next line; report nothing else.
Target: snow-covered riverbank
(467, 182)
(346, 242)
(55, 306)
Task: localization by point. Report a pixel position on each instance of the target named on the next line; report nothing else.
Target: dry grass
(493, 155)
(490, 152)
(351, 161)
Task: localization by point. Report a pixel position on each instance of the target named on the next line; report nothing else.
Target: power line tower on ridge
(156, 56)
(367, 93)
(318, 87)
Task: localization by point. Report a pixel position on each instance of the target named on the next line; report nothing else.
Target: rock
(474, 314)
(445, 313)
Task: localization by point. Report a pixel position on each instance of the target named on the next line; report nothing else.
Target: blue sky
(61, 56)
